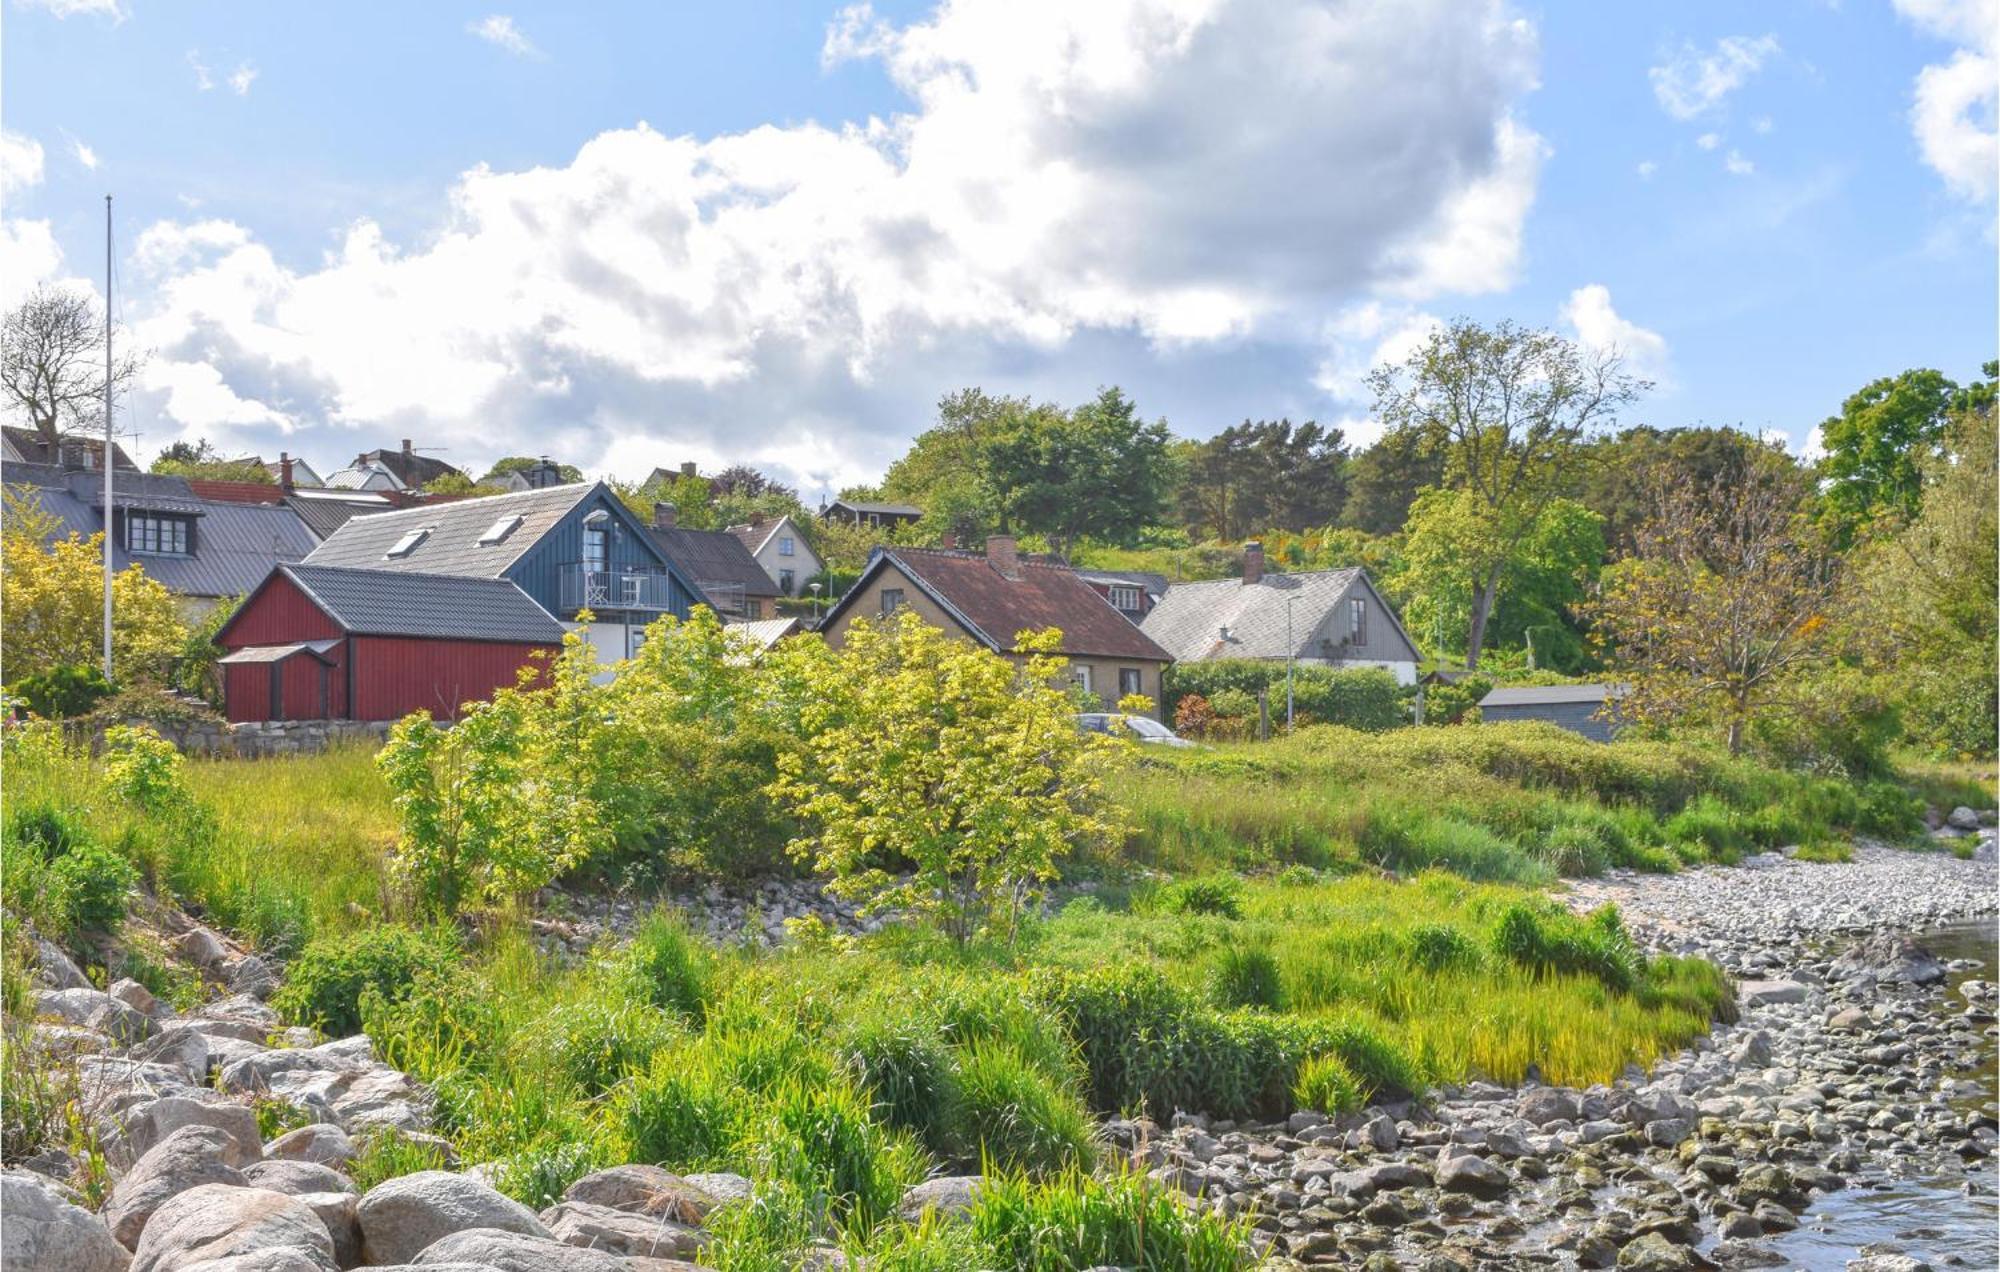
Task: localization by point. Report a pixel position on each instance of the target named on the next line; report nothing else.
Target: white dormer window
(500, 530)
(408, 543)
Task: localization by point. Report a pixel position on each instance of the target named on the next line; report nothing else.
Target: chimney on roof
(665, 515)
(408, 449)
(1002, 555)
(947, 540)
(688, 469)
(1253, 562)
(285, 471)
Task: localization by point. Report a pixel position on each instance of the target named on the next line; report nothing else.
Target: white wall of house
(614, 642)
(1404, 671)
(802, 563)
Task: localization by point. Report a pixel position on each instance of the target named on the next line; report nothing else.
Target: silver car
(1136, 728)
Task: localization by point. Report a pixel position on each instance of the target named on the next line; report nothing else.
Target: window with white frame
(1129, 682)
(1082, 673)
(1125, 598)
(156, 534)
(1357, 610)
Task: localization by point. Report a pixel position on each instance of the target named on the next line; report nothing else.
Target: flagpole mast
(110, 446)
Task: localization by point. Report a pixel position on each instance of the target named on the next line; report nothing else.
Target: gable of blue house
(562, 568)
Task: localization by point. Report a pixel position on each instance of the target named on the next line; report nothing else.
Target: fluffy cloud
(83, 154)
(1692, 83)
(29, 255)
(1588, 313)
(21, 162)
(112, 9)
(1149, 178)
(499, 29)
(1952, 114)
(242, 78)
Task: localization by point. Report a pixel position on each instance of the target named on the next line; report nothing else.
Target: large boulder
(146, 1125)
(1887, 959)
(508, 1251)
(182, 1046)
(340, 1211)
(643, 1190)
(1652, 1252)
(295, 1178)
(222, 1221)
(1765, 993)
(191, 1157)
(95, 1009)
(1471, 1173)
(139, 999)
(45, 1233)
(1542, 1106)
(56, 969)
(724, 1186)
(202, 947)
(950, 1195)
(343, 1077)
(321, 1142)
(402, 1217)
(579, 1223)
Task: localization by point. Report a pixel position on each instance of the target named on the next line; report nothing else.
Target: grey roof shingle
(714, 556)
(453, 546)
(1550, 695)
(323, 516)
(235, 544)
(1189, 619)
(439, 606)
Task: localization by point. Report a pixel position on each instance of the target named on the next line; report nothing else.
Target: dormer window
(500, 530)
(158, 534)
(408, 543)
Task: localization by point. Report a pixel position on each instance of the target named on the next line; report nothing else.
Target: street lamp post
(815, 602)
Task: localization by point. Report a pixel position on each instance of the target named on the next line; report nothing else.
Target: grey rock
(644, 1190)
(223, 1221)
(340, 1211)
(267, 1259)
(1470, 1173)
(1541, 1106)
(1962, 818)
(1652, 1252)
(579, 1223)
(296, 1178)
(202, 947)
(721, 1185)
(56, 969)
(139, 999)
(182, 1046)
(148, 1124)
(507, 1251)
(188, 1158)
(95, 1009)
(402, 1217)
(950, 1195)
(322, 1143)
(44, 1232)
(1765, 993)
(1888, 1263)
(253, 976)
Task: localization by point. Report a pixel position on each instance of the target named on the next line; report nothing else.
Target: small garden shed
(331, 643)
(1579, 708)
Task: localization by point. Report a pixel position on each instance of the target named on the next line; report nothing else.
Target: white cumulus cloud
(1072, 190)
(242, 78)
(1736, 165)
(499, 29)
(1954, 101)
(1596, 325)
(1693, 82)
(112, 9)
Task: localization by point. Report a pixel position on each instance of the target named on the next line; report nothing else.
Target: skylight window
(408, 543)
(500, 530)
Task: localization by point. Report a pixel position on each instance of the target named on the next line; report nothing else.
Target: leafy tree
(1928, 622)
(457, 483)
(569, 473)
(52, 363)
(1879, 444)
(52, 591)
(199, 459)
(1450, 548)
(1621, 473)
(1383, 480)
(1262, 476)
(925, 754)
(1727, 601)
(944, 471)
(1509, 407)
(1098, 471)
(748, 482)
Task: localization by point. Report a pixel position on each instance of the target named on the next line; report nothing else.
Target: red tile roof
(1038, 596)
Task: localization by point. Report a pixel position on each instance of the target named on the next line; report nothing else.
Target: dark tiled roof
(999, 608)
(1189, 619)
(879, 509)
(438, 606)
(27, 445)
(411, 469)
(1155, 585)
(714, 556)
(323, 514)
(453, 546)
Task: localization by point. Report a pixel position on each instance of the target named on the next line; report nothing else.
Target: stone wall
(257, 739)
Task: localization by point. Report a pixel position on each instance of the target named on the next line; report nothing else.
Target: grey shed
(1578, 708)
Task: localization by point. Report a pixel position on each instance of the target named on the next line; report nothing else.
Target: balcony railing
(601, 590)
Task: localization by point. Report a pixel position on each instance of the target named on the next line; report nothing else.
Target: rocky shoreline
(1845, 1068)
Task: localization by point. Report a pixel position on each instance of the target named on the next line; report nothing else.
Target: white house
(784, 554)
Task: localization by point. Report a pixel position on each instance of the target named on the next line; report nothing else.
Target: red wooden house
(316, 642)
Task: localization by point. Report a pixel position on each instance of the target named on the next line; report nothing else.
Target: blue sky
(635, 234)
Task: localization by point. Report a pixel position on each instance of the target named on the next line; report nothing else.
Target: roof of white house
(1190, 621)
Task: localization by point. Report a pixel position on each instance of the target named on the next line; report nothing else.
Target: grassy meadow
(1322, 921)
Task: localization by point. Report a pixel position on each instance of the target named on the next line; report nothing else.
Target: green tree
(1098, 471)
(199, 459)
(569, 473)
(1879, 444)
(944, 471)
(928, 755)
(1383, 480)
(1728, 603)
(52, 592)
(1450, 548)
(1621, 473)
(1260, 476)
(1509, 407)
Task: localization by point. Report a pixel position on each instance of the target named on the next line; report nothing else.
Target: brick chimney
(408, 450)
(688, 469)
(665, 515)
(284, 471)
(1253, 562)
(1002, 556)
(947, 540)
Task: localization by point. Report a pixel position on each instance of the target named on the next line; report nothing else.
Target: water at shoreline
(1934, 1219)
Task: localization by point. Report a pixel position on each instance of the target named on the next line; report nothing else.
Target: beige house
(784, 554)
(990, 598)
